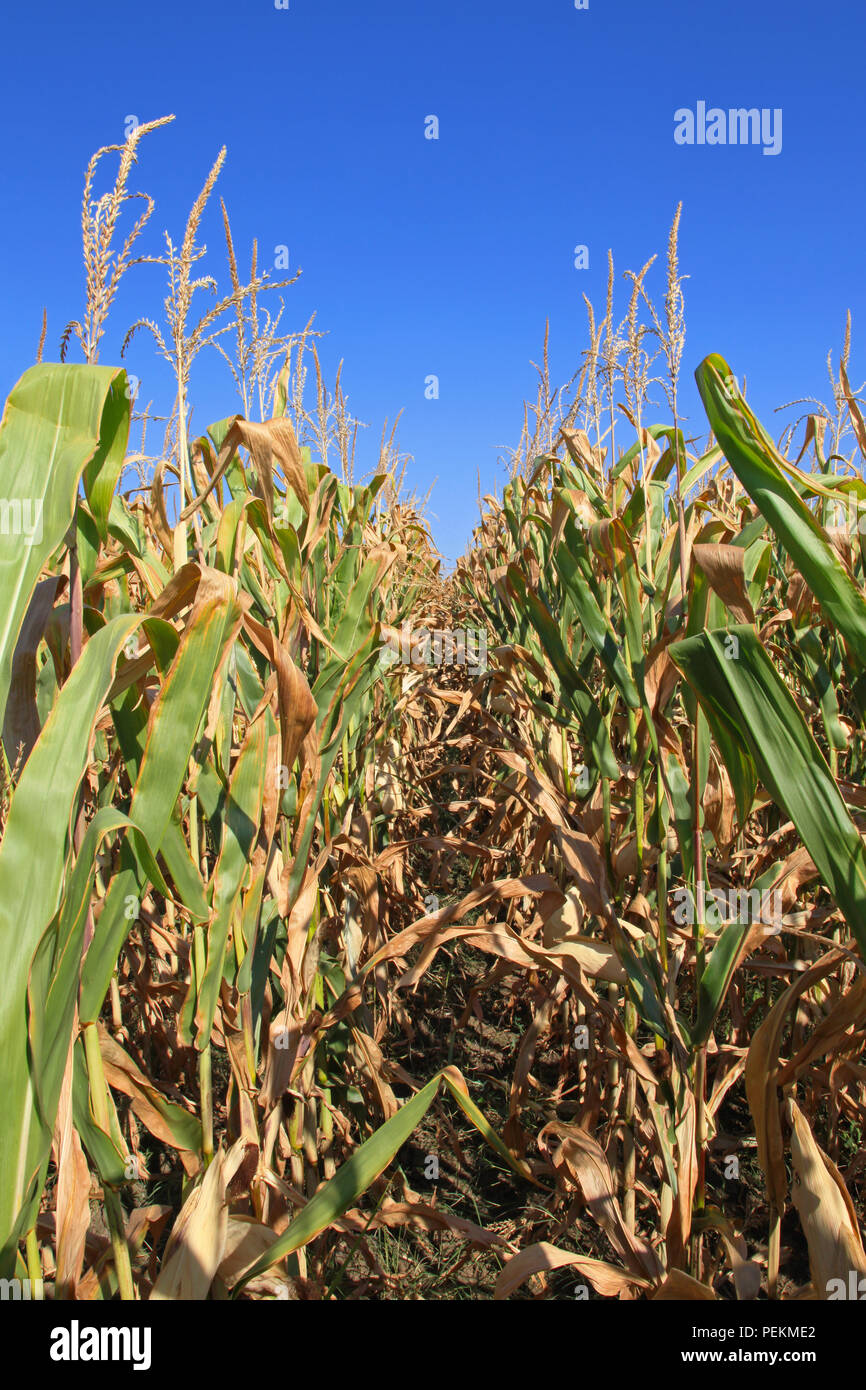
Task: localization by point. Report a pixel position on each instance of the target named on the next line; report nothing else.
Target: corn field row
(293, 827)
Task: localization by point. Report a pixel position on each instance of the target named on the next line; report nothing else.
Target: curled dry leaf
(586, 1165)
(606, 1279)
(826, 1212)
(197, 1244)
(682, 1287)
(762, 1084)
(724, 566)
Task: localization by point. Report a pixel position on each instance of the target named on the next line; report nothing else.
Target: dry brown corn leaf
(762, 1073)
(724, 567)
(606, 1279)
(684, 1288)
(586, 1164)
(826, 1212)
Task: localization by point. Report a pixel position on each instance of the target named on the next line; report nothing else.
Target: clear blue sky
(445, 257)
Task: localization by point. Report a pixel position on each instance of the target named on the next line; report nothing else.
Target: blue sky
(445, 257)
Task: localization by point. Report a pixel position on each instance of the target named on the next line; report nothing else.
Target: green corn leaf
(241, 817)
(106, 1149)
(573, 686)
(748, 694)
(54, 973)
(172, 731)
(33, 857)
(716, 978)
(130, 723)
(760, 468)
(53, 988)
(367, 1162)
(568, 558)
(59, 422)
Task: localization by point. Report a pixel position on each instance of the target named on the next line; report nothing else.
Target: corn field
(369, 932)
